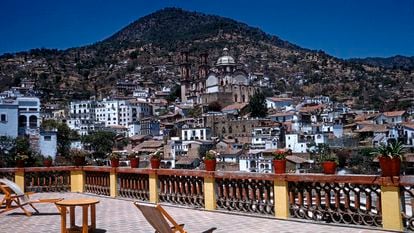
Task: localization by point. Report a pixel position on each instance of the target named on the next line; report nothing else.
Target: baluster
(357, 200)
(337, 199)
(317, 198)
(327, 199)
(308, 198)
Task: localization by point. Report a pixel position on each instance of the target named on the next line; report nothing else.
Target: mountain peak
(171, 26)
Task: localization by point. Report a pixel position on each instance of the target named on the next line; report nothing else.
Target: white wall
(9, 127)
(48, 144)
(293, 144)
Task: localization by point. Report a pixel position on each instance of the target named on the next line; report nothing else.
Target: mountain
(394, 62)
(147, 52)
(171, 27)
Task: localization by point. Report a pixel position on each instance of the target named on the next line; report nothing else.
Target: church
(226, 82)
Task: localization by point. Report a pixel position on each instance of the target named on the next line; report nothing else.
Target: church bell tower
(185, 75)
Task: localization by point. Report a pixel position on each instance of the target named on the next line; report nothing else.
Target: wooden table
(72, 203)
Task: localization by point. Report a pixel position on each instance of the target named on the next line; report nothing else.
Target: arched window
(252, 164)
(22, 121)
(223, 130)
(230, 129)
(32, 121)
(235, 98)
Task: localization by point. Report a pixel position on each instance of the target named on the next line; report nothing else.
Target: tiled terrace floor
(114, 215)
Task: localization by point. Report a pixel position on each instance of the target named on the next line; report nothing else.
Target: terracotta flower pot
(134, 162)
(47, 163)
(210, 164)
(20, 163)
(79, 161)
(329, 167)
(279, 166)
(114, 162)
(390, 166)
(155, 163)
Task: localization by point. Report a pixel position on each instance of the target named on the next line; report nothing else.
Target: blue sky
(343, 28)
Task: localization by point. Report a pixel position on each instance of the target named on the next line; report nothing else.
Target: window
(48, 138)
(3, 118)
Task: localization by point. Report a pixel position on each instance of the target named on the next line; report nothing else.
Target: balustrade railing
(7, 173)
(52, 179)
(97, 182)
(133, 185)
(184, 189)
(357, 201)
(407, 202)
(245, 193)
(350, 199)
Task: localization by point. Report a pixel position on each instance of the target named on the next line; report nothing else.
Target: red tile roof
(394, 114)
(236, 106)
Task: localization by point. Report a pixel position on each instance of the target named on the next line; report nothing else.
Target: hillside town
(211, 113)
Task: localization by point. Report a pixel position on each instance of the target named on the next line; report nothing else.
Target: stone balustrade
(366, 200)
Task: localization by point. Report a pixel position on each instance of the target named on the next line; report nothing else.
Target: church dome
(226, 59)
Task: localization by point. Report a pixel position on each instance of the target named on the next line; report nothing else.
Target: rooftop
(120, 215)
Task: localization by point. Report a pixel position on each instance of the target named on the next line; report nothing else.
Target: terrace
(235, 201)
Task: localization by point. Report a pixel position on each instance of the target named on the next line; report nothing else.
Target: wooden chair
(158, 216)
(13, 194)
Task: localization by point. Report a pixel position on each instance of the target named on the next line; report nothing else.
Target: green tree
(100, 143)
(214, 106)
(195, 112)
(7, 150)
(257, 105)
(23, 145)
(175, 93)
(64, 135)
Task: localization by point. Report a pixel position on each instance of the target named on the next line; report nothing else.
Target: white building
(188, 134)
(29, 115)
(255, 163)
(298, 143)
(107, 111)
(396, 117)
(86, 116)
(82, 116)
(275, 102)
(8, 119)
(141, 93)
(19, 116)
(264, 138)
(409, 134)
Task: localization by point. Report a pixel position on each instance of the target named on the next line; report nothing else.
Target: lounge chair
(158, 216)
(13, 194)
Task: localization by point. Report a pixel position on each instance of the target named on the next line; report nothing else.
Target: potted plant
(48, 160)
(390, 157)
(279, 161)
(328, 159)
(156, 160)
(134, 160)
(78, 156)
(210, 161)
(114, 157)
(21, 159)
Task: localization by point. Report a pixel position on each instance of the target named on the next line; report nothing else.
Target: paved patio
(115, 215)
